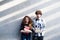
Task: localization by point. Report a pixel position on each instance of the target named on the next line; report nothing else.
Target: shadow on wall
(10, 30)
(18, 7)
(5, 1)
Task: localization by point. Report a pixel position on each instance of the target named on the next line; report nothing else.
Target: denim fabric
(26, 37)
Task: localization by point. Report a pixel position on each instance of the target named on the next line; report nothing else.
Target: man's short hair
(38, 12)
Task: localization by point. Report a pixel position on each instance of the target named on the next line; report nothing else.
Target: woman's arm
(21, 27)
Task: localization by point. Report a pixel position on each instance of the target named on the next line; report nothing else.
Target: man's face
(38, 15)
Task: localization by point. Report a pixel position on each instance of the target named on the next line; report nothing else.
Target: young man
(39, 26)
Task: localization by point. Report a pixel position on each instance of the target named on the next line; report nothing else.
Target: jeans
(26, 37)
(38, 37)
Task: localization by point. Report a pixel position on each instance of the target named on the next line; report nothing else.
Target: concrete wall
(12, 11)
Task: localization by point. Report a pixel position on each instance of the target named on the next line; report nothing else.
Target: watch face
(37, 30)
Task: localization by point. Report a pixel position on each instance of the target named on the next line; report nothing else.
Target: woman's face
(27, 19)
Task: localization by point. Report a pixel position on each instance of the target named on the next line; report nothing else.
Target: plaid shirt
(39, 23)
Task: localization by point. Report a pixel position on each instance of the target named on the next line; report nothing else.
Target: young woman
(26, 28)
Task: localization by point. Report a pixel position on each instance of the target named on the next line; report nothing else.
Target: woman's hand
(22, 31)
(26, 31)
(29, 31)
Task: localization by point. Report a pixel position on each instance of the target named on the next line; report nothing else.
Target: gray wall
(9, 28)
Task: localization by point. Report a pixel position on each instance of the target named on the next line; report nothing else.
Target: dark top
(22, 28)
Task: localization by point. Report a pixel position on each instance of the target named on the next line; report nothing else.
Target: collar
(38, 19)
